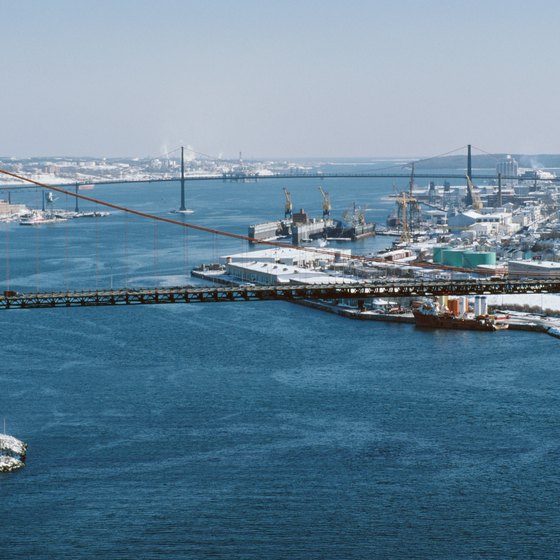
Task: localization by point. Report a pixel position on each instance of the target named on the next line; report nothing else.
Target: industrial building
(7, 209)
(289, 256)
(482, 223)
(533, 269)
(280, 265)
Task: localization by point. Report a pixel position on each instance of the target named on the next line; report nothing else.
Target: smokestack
(499, 190)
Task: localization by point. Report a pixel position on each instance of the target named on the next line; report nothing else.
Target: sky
(278, 78)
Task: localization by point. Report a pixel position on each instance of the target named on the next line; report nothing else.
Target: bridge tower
(183, 207)
(413, 204)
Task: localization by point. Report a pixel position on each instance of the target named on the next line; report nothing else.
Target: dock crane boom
(288, 207)
(326, 204)
(403, 201)
(473, 198)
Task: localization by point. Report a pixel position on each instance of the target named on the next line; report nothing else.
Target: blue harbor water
(260, 430)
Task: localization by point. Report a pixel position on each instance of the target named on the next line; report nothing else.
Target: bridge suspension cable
(414, 162)
(213, 231)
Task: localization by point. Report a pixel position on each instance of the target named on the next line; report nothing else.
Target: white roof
(289, 252)
(536, 264)
(324, 279)
(472, 214)
(271, 267)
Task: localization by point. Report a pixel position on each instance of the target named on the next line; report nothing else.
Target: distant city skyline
(135, 78)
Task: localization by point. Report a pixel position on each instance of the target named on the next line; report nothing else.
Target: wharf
(533, 323)
(528, 323)
(342, 310)
(516, 321)
(215, 276)
(353, 313)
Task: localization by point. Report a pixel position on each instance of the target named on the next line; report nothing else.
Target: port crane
(473, 198)
(288, 207)
(403, 201)
(326, 204)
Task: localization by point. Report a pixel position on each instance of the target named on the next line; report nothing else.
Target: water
(261, 430)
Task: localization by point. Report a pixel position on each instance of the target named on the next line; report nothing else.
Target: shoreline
(516, 321)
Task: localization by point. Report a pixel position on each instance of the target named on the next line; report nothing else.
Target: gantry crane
(288, 207)
(326, 204)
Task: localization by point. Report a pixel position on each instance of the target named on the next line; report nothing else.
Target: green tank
(437, 253)
(472, 259)
(452, 257)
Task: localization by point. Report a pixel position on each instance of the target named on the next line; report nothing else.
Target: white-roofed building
(495, 223)
(534, 269)
(289, 256)
(269, 272)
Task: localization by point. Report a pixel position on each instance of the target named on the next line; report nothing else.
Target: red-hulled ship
(432, 316)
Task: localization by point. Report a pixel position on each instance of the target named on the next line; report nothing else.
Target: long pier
(289, 292)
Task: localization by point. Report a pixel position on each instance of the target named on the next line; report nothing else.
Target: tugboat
(435, 316)
(12, 452)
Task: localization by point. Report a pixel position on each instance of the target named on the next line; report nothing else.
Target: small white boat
(185, 211)
(38, 218)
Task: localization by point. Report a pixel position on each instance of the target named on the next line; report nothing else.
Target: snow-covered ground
(12, 443)
(9, 463)
(544, 301)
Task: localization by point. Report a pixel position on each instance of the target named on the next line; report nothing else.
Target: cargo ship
(434, 316)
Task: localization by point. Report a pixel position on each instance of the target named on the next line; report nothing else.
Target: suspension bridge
(358, 290)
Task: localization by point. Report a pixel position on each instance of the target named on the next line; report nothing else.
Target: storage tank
(437, 253)
(452, 257)
(483, 305)
(477, 306)
(472, 259)
(463, 305)
(454, 305)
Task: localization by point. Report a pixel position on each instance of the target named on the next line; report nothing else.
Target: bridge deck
(289, 292)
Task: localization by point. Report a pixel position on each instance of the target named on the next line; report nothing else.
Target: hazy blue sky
(278, 77)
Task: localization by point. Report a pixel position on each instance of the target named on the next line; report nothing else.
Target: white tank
(463, 305)
(483, 305)
(476, 306)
